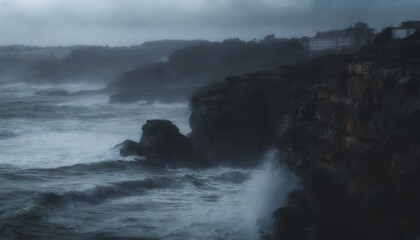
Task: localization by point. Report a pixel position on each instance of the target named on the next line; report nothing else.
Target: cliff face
(349, 127)
(356, 144)
(236, 120)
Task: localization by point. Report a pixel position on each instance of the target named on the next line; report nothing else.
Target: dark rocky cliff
(349, 126)
(238, 119)
(356, 145)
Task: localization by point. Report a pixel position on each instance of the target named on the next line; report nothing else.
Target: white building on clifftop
(342, 40)
(406, 29)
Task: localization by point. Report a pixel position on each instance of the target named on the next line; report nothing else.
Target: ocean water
(61, 176)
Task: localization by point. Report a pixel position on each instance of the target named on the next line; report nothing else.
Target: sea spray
(269, 188)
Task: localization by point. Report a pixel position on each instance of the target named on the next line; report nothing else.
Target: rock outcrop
(349, 127)
(235, 121)
(356, 144)
(230, 123)
(162, 143)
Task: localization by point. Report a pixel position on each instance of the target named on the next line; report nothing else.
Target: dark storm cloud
(124, 22)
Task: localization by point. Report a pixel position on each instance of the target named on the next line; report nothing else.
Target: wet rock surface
(161, 142)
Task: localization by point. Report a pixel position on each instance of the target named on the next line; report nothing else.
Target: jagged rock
(131, 148)
(161, 142)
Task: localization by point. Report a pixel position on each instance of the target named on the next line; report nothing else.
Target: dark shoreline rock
(161, 142)
(131, 148)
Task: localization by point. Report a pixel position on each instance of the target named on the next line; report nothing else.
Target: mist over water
(62, 177)
(54, 131)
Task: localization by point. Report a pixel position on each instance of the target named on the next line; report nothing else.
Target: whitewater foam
(62, 177)
(271, 185)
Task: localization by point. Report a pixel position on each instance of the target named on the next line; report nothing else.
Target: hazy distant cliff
(81, 63)
(16, 61)
(95, 63)
(196, 65)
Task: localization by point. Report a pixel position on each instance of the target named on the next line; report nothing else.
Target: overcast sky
(128, 22)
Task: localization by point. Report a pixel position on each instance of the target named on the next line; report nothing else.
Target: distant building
(305, 42)
(406, 29)
(342, 40)
(328, 40)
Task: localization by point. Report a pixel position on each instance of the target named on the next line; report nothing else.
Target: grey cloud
(125, 22)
